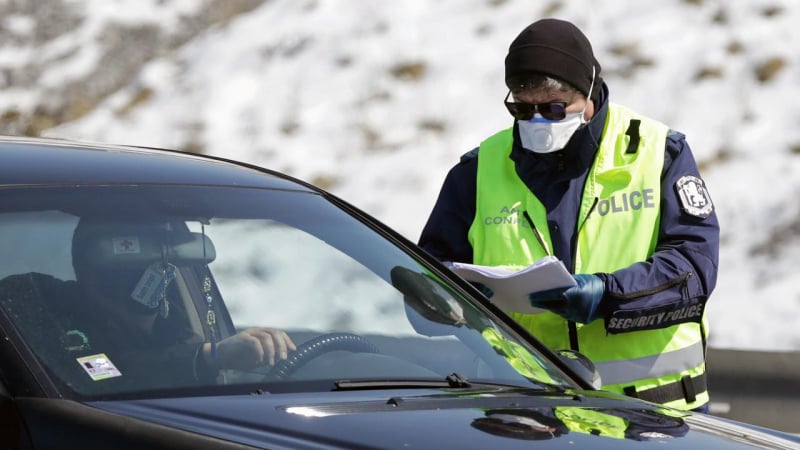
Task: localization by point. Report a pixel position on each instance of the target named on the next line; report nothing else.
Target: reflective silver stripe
(629, 370)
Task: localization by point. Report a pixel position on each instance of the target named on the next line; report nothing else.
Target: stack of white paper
(511, 288)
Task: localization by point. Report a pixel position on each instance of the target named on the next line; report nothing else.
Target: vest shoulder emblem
(694, 196)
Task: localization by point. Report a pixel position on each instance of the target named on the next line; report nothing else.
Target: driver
(122, 315)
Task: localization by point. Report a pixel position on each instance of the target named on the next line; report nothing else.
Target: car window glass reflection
(122, 291)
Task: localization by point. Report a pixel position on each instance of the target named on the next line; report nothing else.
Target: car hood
(444, 419)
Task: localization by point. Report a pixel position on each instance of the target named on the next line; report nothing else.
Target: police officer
(615, 195)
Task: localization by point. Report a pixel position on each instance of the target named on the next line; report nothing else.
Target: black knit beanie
(556, 48)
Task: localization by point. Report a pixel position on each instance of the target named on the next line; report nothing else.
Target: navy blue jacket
(683, 266)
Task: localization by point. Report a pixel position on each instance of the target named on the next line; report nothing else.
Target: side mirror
(582, 366)
(426, 297)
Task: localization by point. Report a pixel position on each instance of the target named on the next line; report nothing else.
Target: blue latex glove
(577, 303)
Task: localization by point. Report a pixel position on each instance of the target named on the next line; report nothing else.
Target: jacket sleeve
(445, 235)
(673, 285)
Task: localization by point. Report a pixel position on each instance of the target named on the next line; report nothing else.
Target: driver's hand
(250, 348)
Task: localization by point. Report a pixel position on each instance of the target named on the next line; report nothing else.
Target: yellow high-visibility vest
(617, 226)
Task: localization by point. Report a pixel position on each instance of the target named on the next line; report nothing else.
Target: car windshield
(128, 291)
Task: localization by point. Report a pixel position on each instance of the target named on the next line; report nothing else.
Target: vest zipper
(589, 213)
(572, 327)
(577, 233)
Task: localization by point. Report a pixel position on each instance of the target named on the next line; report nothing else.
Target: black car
(157, 299)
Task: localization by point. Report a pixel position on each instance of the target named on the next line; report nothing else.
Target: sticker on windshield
(125, 245)
(99, 367)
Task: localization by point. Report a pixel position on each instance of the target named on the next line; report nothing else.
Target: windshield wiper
(454, 380)
(457, 380)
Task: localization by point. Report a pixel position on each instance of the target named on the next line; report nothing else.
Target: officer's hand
(577, 303)
(250, 348)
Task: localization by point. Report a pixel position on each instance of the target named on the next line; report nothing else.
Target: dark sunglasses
(525, 111)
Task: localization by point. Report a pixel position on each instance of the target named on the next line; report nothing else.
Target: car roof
(46, 161)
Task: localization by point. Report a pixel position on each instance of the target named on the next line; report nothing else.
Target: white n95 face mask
(540, 135)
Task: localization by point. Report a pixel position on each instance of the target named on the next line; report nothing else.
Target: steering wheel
(317, 346)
